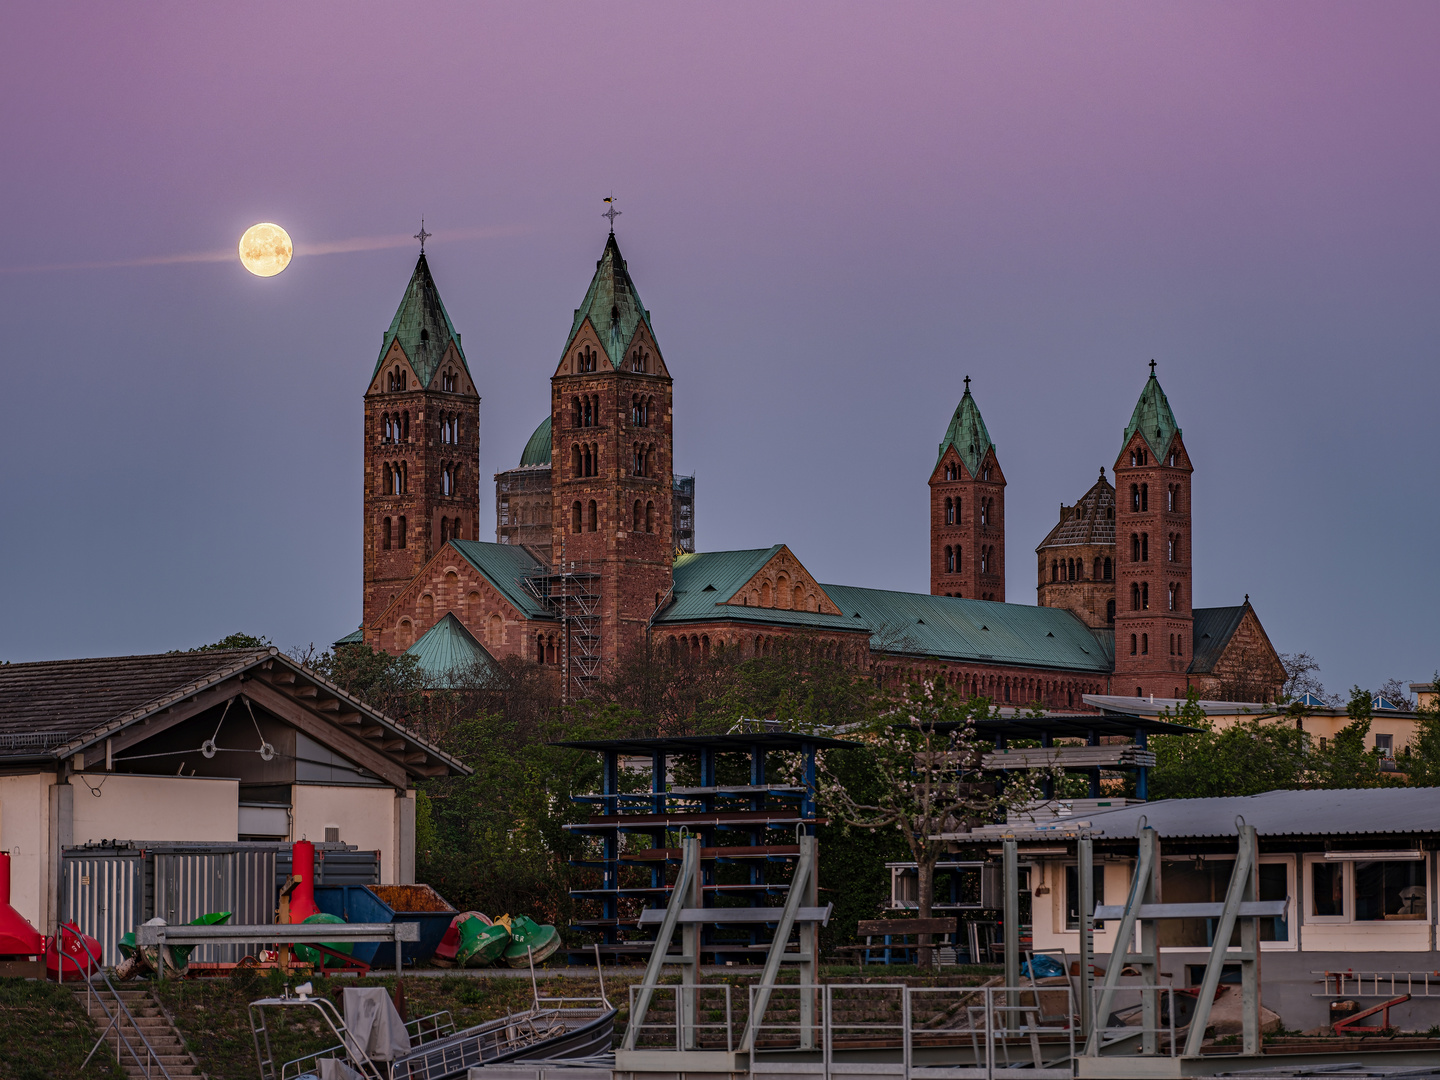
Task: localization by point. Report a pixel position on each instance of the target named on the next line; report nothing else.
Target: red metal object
(17, 936)
(76, 956)
(1349, 1026)
(302, 868)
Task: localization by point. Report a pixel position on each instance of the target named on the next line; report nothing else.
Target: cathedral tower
(967, 510)
(1154, 625)
(611, 462)
(422, 445)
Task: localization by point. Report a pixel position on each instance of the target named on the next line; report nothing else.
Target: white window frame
(1348, 868)
(1292, 909)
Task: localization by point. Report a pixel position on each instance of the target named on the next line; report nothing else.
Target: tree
(1423, 751)
(1302, 676)
(926, 754)
(1244, 758)
(236, 641)
(1397, 692)
(1345, 762)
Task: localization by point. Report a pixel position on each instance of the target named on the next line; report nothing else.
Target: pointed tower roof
(612, 305)
(422, 326)
(1152, 418)
(967, 433)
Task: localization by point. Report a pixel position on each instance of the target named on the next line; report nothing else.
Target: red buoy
(17, 936)
(302, 866)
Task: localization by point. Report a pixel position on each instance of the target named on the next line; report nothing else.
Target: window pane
(1274, 885)
(1390, 890)
(1072, 895)
(1327, 889)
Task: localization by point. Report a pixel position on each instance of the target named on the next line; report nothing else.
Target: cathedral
(594, 554)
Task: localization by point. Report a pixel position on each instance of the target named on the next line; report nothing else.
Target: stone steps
(150, 1021)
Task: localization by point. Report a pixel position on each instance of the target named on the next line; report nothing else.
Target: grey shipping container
(110, 888)
(103, 893)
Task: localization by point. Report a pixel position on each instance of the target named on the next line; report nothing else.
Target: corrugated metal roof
(1214, 627)
(355, 637)
(1090, 521)
(448, 649)
(537, 449)
(913, 624)
(422, 326)
(1348, 812)
(967, 433)
(612, 304)
(1153, 419)
(503, 565)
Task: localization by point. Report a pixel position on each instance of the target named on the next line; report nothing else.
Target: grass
(213, 1017)
(47, 1034)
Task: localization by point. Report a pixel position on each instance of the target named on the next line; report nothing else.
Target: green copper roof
(537, 450)
(355, 637)
(612, 305)
(504, 565)
(448, 651)
(914, 624)
(1153, 419)
(967, 434)
(422, 326)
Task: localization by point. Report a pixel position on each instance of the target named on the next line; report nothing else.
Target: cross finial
(422, 236)
(611, 213)
(1152, 369)
(967, 384)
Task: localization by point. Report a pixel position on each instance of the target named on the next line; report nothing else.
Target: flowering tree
(925, 755)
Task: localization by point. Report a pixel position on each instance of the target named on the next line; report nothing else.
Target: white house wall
(365, 816)
(25, 834)
(174, 808)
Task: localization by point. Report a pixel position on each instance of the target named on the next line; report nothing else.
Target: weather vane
(422, 236)
(611, 213)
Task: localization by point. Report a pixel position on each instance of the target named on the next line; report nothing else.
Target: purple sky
(834, 214)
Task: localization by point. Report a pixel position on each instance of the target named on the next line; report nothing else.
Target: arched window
(949, 511)
(575, 515)
(1144, 596)
(764, 594)
(385, 535)
(799, 598)
(1133, 644)
(637, 521)
(1144, 644)
(949, 559)
(1108, 570)
(405, 426)
(985, 473)
(1095, 572)
(1179, 647)
(594, 517)
(1134, 547)
(951, 473)
(458, 532)
(444, 529)
(1144, 496)
(1110, 611)
(1174, 459)
(1134, 596)
(1172, 644)
(385, 480)
(1135, 498)
(1054, 570)
(1144, 547)
(1174, 597)
(649, 517)
(402, 532)
(399, 475)
(984, 511)
(1070, 569)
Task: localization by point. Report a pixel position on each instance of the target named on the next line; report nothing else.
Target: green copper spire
(967, 433)
(1152, 418)
(422, 326)
(612, 305)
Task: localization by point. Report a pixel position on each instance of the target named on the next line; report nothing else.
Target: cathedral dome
(537, 450)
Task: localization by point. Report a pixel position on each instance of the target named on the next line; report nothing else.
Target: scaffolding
(570, 591)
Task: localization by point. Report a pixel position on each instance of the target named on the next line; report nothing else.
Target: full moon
(265, 249)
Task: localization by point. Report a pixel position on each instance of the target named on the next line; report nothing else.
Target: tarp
(374, 1023)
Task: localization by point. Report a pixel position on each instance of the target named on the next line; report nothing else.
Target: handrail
(120, 1036)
